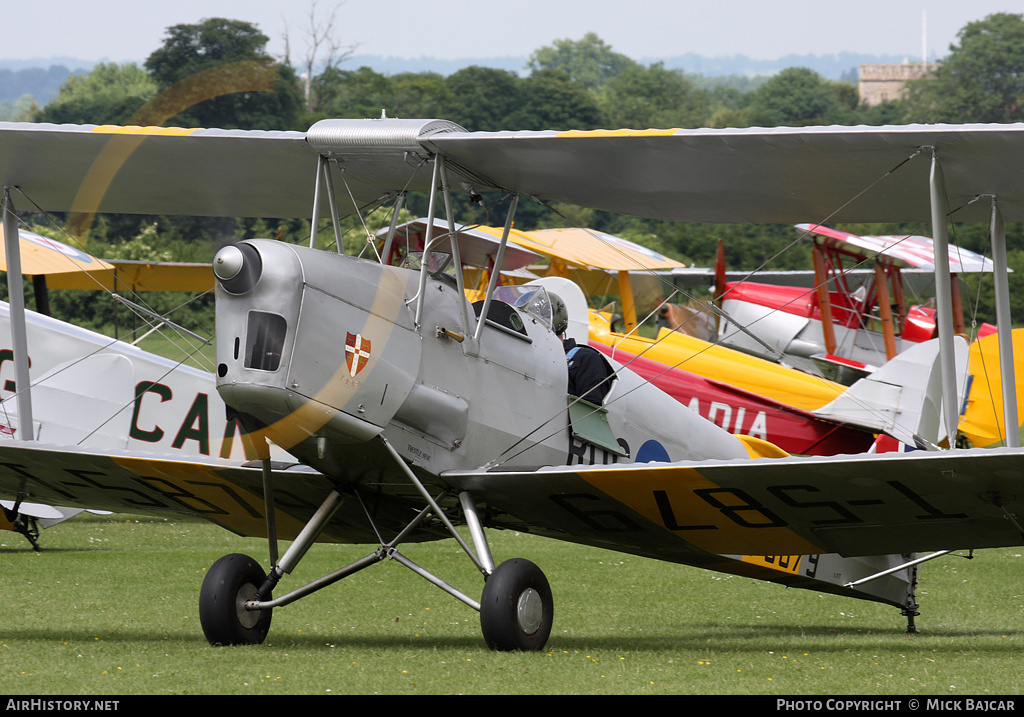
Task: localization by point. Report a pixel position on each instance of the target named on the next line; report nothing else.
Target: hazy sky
(129, 30)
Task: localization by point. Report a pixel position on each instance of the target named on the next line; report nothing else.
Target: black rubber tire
(231, 581)
(514, 585)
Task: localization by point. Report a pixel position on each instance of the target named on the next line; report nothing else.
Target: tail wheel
(229, 583)
(516, 609)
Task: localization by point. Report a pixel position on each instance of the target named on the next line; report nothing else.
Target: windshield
(532, 300)
(438, 262)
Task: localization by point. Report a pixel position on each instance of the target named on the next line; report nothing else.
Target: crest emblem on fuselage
(357, 353)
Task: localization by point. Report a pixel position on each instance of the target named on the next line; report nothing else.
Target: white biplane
(856, 315)
(412, 412)
(90, 390)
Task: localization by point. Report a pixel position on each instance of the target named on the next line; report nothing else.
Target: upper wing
(153, 170)
(228, 493)
(906, 250)
(756, 175)
(211, 172)
(851, 505)
(591, 249)
(731, 175)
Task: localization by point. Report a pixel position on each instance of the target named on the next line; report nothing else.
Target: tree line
(570, 84)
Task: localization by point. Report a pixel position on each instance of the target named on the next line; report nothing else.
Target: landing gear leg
(910, 606)
(230, 583)
(25, 525)
(910, 615)
(516, 608)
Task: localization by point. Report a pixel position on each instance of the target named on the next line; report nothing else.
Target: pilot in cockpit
(590, 375)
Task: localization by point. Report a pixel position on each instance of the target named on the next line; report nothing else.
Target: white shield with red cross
(357, 353)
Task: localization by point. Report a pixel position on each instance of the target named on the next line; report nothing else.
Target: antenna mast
(924, 37)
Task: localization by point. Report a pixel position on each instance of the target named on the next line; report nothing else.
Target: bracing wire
(195, 342)
(508, 452)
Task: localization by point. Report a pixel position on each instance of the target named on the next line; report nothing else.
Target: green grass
(180, 349)
(110, 608)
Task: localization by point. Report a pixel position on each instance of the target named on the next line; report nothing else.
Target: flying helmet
(559, 314)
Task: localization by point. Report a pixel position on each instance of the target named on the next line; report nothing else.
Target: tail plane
(903, 397)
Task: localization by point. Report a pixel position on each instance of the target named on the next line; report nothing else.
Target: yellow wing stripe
(715, 525)
(161, 131)
(618, 133)
(783, 563)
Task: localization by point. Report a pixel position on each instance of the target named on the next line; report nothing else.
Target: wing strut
(824, 301)
(943, 295)
(628, 301)
(440, 181)
(885, 310)
(385, 255)
(493, 281)
(453, 237)
(19, 337)
(1004, 327)
(890, 571)
(323, 176)
(427, 240)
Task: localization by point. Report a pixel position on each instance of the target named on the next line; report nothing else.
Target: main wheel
(516, 609)
(229, 583)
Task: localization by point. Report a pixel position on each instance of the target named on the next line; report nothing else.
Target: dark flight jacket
(588, 370)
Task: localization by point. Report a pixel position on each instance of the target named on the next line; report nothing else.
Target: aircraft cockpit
(531, 301)
(515, 307)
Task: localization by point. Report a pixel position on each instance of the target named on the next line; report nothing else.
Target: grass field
(174, 347)
(110, 608)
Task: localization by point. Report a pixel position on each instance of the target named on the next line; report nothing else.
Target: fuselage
(328, 353)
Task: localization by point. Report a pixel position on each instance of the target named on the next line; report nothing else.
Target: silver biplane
(410, 412)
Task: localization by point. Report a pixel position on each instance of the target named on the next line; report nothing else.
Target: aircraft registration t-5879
(409, 410)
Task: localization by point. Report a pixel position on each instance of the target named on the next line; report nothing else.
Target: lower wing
(855, 505)
(226, 492)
